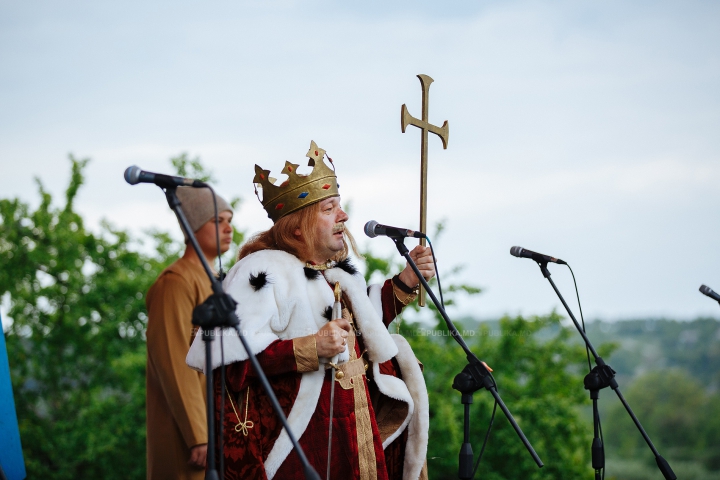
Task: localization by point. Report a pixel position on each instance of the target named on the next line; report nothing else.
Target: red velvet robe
(244, 455)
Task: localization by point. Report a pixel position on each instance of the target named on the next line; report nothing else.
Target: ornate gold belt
(348, 370)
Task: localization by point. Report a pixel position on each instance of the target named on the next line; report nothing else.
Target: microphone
(134, 175)
(705, 290)
(538, 257)
(373, 229)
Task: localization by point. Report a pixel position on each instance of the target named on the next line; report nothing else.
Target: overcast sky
(585, 130)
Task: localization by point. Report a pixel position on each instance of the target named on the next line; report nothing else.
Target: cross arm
(407, 119)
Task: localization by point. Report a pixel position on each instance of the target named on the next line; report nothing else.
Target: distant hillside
(648, 345)
(651, 344)
(669, 371)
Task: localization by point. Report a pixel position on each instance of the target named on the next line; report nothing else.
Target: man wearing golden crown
(283, 283)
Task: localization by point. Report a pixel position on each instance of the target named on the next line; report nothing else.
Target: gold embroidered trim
(241, 427)
(354, 370)
(363, 427)
(404, 298)
(322, 267)
(306, 357)
(350, 369)
(390, 416)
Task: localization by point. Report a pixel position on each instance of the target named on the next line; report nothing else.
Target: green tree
(77, 352)
(191, 168)
(681, 417)
(539, 380)
(77, 340)
(539, 371)
(76, 343)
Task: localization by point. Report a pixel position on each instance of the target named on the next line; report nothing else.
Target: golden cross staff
(425, 126)
(337, 313)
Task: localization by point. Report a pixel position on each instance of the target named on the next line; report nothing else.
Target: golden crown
(297, 191)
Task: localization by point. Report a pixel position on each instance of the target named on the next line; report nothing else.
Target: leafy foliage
(669, 372)
(681, 417)
(651, 344)
(537, 380)
(538, 376)
(191, 168)
(77, 356)
(77, 339)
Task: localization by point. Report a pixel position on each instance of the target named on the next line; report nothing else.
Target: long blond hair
(281, 236)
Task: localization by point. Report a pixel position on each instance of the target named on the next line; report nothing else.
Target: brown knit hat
(197, 204)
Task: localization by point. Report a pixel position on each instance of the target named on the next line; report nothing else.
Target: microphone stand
(218, 311)
(472, 378)
(602, 376)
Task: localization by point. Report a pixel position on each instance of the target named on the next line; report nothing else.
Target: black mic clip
(601, 376)
(217, 311)
(543, 268)
(472, 378)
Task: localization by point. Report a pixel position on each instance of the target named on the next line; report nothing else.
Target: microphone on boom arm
(373, 229)
(538, 257)
(705, 290)
(134, 175)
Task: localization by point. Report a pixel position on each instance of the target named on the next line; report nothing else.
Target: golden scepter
(336, 313)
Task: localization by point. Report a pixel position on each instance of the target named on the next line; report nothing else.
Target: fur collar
(278, 301)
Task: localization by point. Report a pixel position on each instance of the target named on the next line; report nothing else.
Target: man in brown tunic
(176, 419)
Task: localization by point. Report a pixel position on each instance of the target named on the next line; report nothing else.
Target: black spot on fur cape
(259, 281)
(311, 273)
(347, 266)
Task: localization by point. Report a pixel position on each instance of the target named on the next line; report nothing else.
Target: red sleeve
(391, 306)
(276, 359)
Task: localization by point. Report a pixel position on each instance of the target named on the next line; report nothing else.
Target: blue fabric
(11, 456)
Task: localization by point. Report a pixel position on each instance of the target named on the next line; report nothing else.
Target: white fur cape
(289, 305)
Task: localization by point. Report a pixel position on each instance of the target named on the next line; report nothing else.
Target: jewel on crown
(297, 191)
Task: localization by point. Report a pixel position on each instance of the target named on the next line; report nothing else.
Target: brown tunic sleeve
(170, 304)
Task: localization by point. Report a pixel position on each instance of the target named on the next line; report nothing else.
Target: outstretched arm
(401, 290)
(422, 256)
